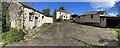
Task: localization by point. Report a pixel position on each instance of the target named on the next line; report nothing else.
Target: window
(42, 17)
(30, 17)
(91, 16)
(78, 16)
(60, 12)
(25, 13)
(66, 16)
(103, 19)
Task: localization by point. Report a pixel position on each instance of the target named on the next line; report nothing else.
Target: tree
(5, 17)
(61, 8)
(118, 15)
(46, 12)
(74, 15)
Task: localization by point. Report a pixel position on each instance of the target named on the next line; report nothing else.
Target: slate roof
(109, 17)
(30, 7)
(62, 11)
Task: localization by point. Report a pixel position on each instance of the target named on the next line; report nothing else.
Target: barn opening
(112, 22)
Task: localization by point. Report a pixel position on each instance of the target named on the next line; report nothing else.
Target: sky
(78, 7)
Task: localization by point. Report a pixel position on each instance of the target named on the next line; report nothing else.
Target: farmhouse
(25, 17)
(63, 14)
(98, 18)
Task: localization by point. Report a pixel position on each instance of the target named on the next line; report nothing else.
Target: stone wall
(15, 17)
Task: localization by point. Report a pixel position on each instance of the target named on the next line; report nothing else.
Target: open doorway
(113, 22)
(36, 22)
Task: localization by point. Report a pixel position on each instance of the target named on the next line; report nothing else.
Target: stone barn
(98, 18)
(25, 17)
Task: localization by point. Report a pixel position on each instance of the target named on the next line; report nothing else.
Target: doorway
(112, 23)
(36, 22)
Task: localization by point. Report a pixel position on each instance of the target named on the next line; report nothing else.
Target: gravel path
(71, 34)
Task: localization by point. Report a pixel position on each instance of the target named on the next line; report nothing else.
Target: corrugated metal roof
(94, 12)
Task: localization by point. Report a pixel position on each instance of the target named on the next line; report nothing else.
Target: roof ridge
(29, 7)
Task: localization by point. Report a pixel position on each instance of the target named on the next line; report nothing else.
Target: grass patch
(118, 36)
(12, 36)
(64, 20)
(59, 20)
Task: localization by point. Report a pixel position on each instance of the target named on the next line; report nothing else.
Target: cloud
(112, 14)
(103, 5)
(73, 13)
(99, 9)
(65, 0)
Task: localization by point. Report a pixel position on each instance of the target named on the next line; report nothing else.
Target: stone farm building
(63, 14)
(98, 18)
(25, 17)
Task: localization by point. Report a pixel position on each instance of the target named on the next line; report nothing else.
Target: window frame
(30, 17)
(42, 17)
(91, 16)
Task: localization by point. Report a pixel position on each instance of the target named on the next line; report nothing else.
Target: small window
(66, 16)
(42, 17)
(25, 13)
(60, 12)
(91, 16)
(30, 17)
(103, 19)
(78, 16)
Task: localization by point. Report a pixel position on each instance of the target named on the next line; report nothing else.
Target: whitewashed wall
(58, 14)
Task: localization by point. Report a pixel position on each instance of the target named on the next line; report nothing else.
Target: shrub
(67, 20)
(118, 36)
(12, 36)
(59, 20)
(118, 32)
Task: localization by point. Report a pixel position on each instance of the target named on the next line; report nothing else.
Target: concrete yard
(70, 34)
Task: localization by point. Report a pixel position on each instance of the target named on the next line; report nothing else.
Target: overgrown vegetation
(59, 20)
(61, 8)
(118, 36)
(63, 20)
(12, 36)
(46, 12)
(5, 17)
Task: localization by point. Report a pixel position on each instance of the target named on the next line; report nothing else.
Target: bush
(12, 36)
(67, 20)
(59, 20)
(118, 36)
(118, 32)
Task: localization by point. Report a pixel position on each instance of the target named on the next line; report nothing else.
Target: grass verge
(11, 36)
